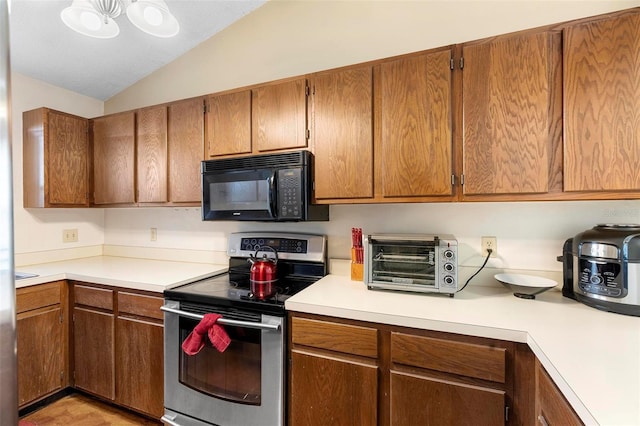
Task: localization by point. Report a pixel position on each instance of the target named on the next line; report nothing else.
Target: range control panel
(288, 245)
(281, 245)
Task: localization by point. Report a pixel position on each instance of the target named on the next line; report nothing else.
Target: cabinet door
(40, 353)
(343, 134)
(55, 166)
(186, 139)
(601, 104)
(279, 116)
(139, 365)
(332, 391)
(151, 148)
(114, 159)
(511, 137)
(552, 408)
(67, 171)
(418, 400)
(93, 334)
(415, 148)
(228, 124)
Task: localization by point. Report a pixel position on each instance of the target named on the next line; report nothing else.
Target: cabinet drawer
(349, 339)
(140, 305)
(92, 296)
(466, 359)
(37, 296)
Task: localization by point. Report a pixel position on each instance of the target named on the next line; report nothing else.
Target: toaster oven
(418, 263)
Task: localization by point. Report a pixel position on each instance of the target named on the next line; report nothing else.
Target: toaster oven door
(401, 264)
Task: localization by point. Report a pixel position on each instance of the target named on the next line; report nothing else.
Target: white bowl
(525, 286)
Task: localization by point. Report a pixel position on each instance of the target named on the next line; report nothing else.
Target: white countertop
(593, 356)
(139, 274)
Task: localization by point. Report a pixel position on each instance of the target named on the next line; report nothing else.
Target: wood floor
(77, 409)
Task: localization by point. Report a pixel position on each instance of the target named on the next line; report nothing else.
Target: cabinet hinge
(453, 180)
(204, 108)
(461, 63)
(306, 90)
(308, 134)
(61, 319)
(61, 375)
(506, 413)
(451, 64)
(462, 179)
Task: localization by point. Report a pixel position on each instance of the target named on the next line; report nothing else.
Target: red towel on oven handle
(218, 336)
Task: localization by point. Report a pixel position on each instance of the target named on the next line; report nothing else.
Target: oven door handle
(224, 321)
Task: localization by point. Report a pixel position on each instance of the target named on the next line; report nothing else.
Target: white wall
(41, 229)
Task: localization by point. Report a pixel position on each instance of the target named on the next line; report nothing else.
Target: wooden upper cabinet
(186, 142)
(414, 153)
(512, 115)
(55, 159)
(114, 159)
(342, 133)
(228, 123)
(601, 104)
(279, 116)
(151, 148)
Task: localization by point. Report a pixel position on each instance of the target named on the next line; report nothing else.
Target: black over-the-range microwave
(269, 187)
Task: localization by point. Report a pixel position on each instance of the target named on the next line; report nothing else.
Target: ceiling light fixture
(96, 18)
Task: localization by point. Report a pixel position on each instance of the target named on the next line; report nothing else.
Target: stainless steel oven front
(243, 385)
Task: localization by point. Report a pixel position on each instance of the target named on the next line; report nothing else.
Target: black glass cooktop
(233, 290)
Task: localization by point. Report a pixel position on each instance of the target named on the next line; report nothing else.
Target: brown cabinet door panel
(68, 165)
(332, 391)
(228, 123)
(551, 406)
(508, 90)
(417, 400)
(93, 334)
(40, 354)
(151, 148)
(186, 144)
(139, 364)
(343, 134)
(601, 104)
(416, 136)
(279, 116)
(114, 159)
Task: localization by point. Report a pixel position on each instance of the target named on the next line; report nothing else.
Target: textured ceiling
(42, 47)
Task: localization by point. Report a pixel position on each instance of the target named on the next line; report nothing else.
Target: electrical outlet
(154, 234)
(69, 235)
(490, 243)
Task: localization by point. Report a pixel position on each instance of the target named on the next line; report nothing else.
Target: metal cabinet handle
(224, 321)
(168, 421)
(542, 420)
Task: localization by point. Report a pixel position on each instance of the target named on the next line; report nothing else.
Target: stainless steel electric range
(244, 385)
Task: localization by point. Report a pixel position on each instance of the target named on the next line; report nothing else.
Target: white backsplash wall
(529, 235)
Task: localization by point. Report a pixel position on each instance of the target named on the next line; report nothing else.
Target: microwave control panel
(290, 193)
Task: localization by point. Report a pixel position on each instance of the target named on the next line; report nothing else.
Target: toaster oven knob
(448, 267)
(448, 254)
(449, 280)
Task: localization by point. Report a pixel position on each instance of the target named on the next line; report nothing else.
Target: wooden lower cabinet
(422, 400)
(41, 341)
(93, 340)
(552, 409)
(118, 346)
(332, 391)
(139, 357)
(345, 372)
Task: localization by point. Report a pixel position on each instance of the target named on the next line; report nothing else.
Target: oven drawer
(465, 359)
(349, 339)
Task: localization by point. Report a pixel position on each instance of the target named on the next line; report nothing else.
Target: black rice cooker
(601, 268)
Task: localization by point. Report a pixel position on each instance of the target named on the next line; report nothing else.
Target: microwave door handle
(224, 321)
(271, 195)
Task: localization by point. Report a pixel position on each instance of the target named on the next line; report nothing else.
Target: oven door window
(410, 263)
(232, 375)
